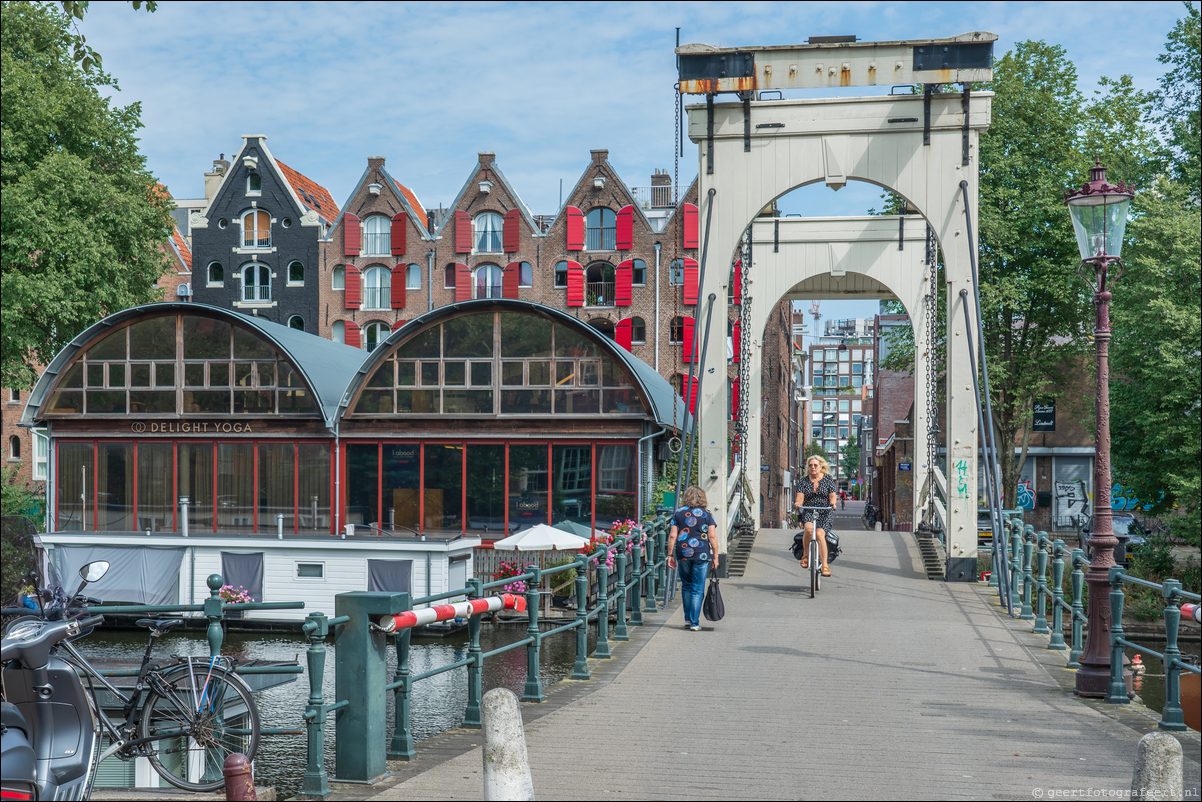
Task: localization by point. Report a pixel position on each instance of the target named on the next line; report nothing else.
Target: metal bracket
(746, 121)
(964, 106)
(709, 134)
(901, 231)
(776, 235)
(926, 113)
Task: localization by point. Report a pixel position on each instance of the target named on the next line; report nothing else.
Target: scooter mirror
(93, 572)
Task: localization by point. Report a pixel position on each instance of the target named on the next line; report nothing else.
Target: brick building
(842, 371)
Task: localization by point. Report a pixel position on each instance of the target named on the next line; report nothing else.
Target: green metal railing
(1171, 716)
(362, 745)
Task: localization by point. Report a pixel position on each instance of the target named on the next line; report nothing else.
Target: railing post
(1028, 578)
(661, 536)
(1041, 586)
(402, 747)
(1016, 566)
(534, 683)
(1116, 691)
(993, 565)
(1171, 716)
(475, 669)
(360, 674)
(620, 592)
(1056, 642)
(636, 574)
(214, 610)
(652, 529)
(316, 782)
(580, 670)
(602, 650)
(1078, 584)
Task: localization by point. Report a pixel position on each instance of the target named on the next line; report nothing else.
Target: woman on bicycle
(817, 489)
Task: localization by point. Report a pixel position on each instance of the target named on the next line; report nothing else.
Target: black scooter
(49, 734)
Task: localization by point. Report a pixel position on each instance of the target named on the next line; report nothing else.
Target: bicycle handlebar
(829, 507)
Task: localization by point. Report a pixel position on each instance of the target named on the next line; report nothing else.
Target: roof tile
(413, 201)
(313, 195)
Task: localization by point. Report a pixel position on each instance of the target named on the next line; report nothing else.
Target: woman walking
(817, 489)
(694, 538)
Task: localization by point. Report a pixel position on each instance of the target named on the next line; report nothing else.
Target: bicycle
(812, 555)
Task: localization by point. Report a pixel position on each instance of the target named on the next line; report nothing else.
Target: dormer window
(256, 229)
(254, 184)
(376, 234)
(488, 228)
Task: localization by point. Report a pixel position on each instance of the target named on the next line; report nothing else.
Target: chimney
(213, 180)
(487, 158)
(375, 162)
(660, 178)
(599, 155)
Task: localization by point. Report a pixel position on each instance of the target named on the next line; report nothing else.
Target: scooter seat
(10, 716)
(160, 626)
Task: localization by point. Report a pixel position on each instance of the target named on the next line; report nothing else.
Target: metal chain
(744, 346)
(932, 392)
(676, 154)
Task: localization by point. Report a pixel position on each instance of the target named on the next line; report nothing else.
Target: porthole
(286, 222)
(222, 223)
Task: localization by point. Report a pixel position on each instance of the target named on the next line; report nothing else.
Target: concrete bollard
(1158, 768)
(239, 778)
(506, 765)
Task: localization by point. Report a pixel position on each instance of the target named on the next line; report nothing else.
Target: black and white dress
(817, 497)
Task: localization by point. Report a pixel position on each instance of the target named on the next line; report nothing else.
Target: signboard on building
(903, 466)
(1045, 416)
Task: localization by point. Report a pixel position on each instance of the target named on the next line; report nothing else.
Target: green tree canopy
(82, 219)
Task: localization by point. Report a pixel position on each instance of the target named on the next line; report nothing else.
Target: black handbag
(712, 607)
(832, 547)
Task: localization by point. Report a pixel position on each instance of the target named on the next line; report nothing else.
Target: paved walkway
(886, 686)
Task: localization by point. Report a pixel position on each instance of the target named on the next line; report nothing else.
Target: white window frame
(413, 277)
(377, 288)
(41, 455)
(296, 571)
(254, 193)
(522, 282)
(488, 233)
(256, 244)
(296, 317)
(493, 284)
(14, 448)
(338, 278)
(14, 395)
(382, 330)
(259, 288)
(382, 234)
(607, 466)
(338, 331)
(290, 281)
(634, 268)
(209, 282)
(643, 340)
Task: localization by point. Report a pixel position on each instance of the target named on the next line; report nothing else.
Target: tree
(814, 449)
(1179, 98)
(82, 218)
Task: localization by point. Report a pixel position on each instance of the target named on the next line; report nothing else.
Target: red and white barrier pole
(1191, 611)
(445, 612)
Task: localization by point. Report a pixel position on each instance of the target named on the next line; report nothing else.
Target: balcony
(655, 197)
(599, 293)
(601, 239)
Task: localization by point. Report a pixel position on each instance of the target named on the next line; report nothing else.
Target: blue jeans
(692, 588)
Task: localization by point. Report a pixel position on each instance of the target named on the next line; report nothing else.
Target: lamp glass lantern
(1099, 214)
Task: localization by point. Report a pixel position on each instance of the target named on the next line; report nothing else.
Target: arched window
(296, 322)
(601, 229)
(296, 273)
(339, 330)
(413, 277)
(525, 275)
(256, 282)
(676, 330)
(377, 287)
(376, 233)
(216, 275)
(604, 326)
(448, 277)
(14, 447)
(676, 272)
(638, 330)
(256, 229)
(486, 230)
(599, 284)
(561, 274)
(254, 184)
(638, 273)
(373, 334)
(487, 282)
(338, 282)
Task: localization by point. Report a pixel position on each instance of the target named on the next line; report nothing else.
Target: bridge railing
(1029, 554)
(1171, 715)
(365, 620)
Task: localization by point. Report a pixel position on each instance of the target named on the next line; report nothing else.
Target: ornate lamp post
(1099, 213)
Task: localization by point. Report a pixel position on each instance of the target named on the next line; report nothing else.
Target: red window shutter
(622, 333)
(511, 233)
(736, 282)
(351, 334)
(734, 399)
(398, 287)
(353, 295)
(689, 227)
(509, 281)
(734, 341)
(350, 235)
(625, 233)
(463, 232)
(463, 283)
(398, 324)
(575, 228)
(575, 284)
(686, 347)
(624, 282)
(400, 233)
(691, 288)
(689, 392)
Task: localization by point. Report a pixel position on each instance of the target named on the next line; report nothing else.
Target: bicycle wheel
(814, 570)
(197, 719)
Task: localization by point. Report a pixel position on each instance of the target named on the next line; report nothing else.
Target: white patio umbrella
(541, 537)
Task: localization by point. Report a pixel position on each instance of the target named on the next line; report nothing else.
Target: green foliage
(17, 498)
(851, 457)
(815, 449)
(82, 52)
(667, 480)
(82, 219)
(1179, 98)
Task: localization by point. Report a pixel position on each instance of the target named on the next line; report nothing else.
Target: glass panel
(540, 374)
(219, 374)
(153, 339)
(612, 374)
(194, 374)
(473, 402)
(116, 375)
(571, 497)
(622, 401)
(66, 402)
(216, 402)
(277, 491)
(469, 336)
(74, 377)
(486, 488)
(453, 374)
(314, 483)
(75, 481)
(375, 402)
(164, 374)
(235, 487)
(196, 482)
(526, 401)
(296, 401)
(151, 402)
(102, 401)
(511, 373)
(115, 487)
(251, 402)
(402, 475)
(139, 375)
(362, 472)
(423, 345)
(524, 335)
(421, 402)
(242, 374)
(617, 476)
(251, 346)
(96, 374)
(527, 486)
(572, 343)
(382, 377)
(266, 371)
(430, 374)
(444, 488)
(565, 373)
(156, 507)
(406, 374)
(111, 347)
(206, 338)
(481, 374)
(590, 374)
(577, 402)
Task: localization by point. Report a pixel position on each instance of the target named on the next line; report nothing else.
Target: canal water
(1150, 684)
(437, 704)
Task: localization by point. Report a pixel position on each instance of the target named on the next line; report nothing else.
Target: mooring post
(1056, 642)
(315, 784)
(580, 670)
(620, 631)
(401, 747)
(533, 691)
(475, 669)
(506, 762)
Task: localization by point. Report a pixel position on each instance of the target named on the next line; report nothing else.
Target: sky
(428, 86)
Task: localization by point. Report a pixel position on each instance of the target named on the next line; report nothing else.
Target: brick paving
(886, 686)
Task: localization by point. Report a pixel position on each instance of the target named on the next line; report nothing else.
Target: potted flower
(234, 595)
(513, 569)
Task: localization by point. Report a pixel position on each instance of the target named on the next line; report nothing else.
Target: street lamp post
(1099, 214)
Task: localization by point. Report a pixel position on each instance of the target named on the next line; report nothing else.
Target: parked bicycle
(870, 516)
